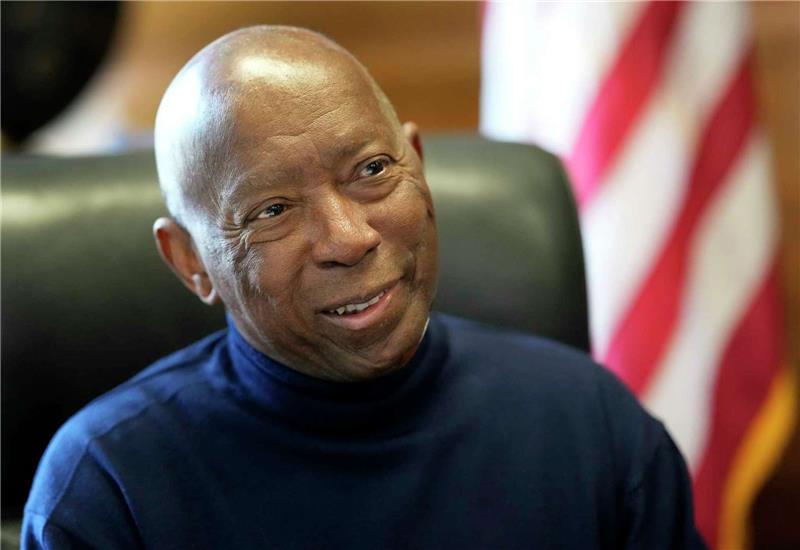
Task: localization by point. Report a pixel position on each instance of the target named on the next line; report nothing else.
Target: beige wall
(424, 55)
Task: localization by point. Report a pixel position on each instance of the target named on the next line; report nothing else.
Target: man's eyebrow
(243, 185)
(345, 150)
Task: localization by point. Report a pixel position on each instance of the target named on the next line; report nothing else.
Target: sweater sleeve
(38, 531)
(75, 502)
(655, 491)
(658, 509)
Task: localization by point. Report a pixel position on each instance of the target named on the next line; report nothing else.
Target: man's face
(322, 241)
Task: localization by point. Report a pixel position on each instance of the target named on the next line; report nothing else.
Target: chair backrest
(87, 302)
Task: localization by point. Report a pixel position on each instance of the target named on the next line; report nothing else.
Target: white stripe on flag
(627, 223)
(572, 43)
(730, 256)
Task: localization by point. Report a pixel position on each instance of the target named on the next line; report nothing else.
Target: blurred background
(86, 78)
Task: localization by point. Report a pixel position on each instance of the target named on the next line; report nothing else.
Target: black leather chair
(87, 302)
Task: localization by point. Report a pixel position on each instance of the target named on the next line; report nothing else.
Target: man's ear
(178, 251)
(411, 131)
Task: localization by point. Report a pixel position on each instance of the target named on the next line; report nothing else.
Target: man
(336, 411)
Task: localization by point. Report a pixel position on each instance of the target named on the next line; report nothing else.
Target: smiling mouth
(362, 312)
(350, 309)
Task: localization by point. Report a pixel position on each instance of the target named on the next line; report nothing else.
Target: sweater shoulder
(522, 354)
(156, 383)
(70, 448)
(539, 370)
(554, 383)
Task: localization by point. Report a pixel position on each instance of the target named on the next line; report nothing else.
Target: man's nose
(345, 237)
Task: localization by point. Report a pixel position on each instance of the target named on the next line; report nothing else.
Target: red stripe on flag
(644, 333)
(747, 369)
(621, 97)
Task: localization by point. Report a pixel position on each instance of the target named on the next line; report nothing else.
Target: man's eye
(374, 168)
(272, 211)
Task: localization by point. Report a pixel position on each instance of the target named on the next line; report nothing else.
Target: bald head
(269, 71)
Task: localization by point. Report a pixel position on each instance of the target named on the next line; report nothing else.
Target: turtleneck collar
(321, 404)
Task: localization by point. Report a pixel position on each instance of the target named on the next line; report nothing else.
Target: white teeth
(350, 308)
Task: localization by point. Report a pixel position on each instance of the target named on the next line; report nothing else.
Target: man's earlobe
(204, 289)
(411, 131)
(177, 250)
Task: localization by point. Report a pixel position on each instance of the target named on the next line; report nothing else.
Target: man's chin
(366, 356)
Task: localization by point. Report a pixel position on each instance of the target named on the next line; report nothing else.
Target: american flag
(651, 108)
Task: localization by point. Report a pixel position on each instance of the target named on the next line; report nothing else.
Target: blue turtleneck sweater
(486, 439)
